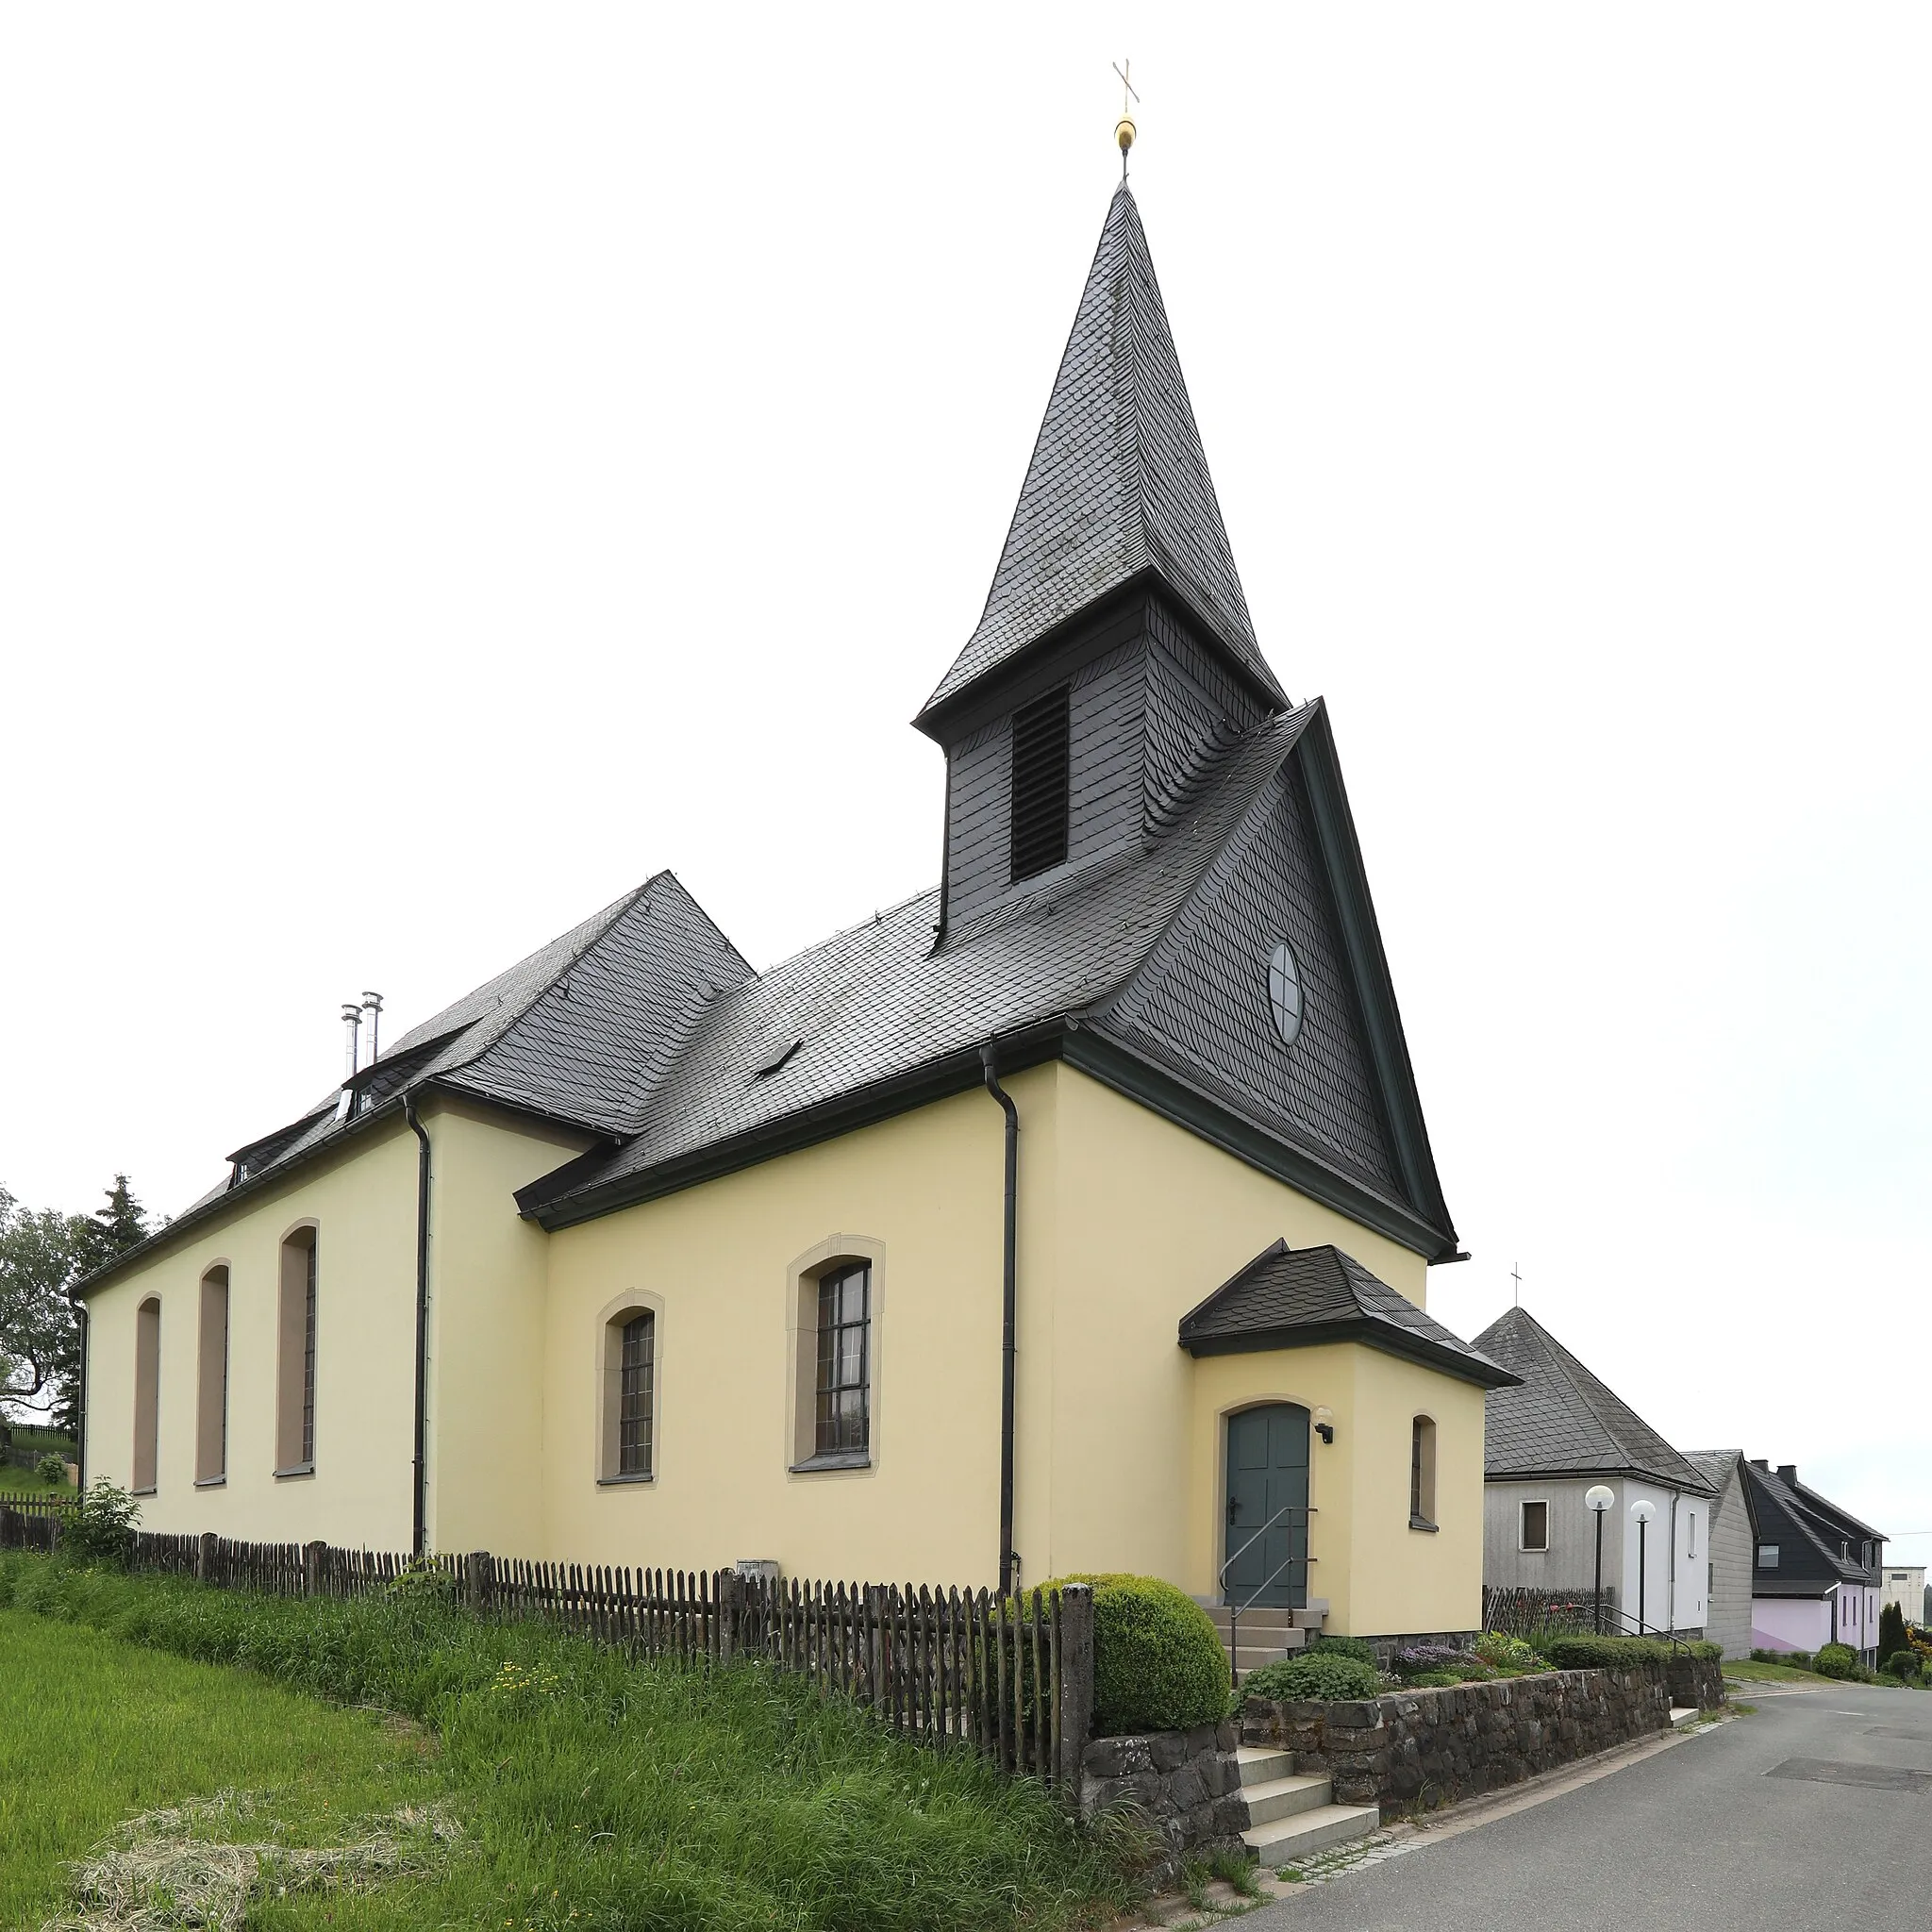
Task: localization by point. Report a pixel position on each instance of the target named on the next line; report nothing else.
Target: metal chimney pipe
(371, 1005)
(352, 1028)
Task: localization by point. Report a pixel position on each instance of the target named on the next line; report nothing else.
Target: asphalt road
(1697, 1837)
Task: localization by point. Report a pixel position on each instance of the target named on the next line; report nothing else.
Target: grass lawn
(24, 1482)
(92, 1730)
(593, 1789)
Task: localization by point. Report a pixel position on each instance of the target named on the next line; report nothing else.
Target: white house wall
(1789, 1623)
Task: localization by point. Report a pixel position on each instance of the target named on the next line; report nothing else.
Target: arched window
(147, 1397)
(628, 1452)
(295, 1357)
(844, 1408)
(1421, 1474)
(212, 1398)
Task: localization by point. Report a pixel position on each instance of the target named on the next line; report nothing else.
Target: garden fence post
(874, 1646)
(729, 1596)
(1077, 1683)
(311, 1568)
(480, 1575)
(205, 1557)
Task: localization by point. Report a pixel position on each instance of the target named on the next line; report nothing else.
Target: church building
(1074, 1215)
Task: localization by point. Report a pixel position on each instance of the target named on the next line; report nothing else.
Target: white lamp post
(1641, 1514)
(1599, 1497)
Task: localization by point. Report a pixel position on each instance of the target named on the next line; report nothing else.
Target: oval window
(1285, 992)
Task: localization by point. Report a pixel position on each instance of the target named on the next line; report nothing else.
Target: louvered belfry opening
(1041, 771)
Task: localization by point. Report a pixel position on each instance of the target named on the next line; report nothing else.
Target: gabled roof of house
(1810, 1534)
(1118, 487)
(1720, 1468)
(1560, 1420)
(1301, 1297)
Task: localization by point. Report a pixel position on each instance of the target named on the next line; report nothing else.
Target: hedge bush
(1320, 1672)
(1619, 1653)
(1158, 1664)
(1348, 1646)
(1836, 1660)
(1904, 1665)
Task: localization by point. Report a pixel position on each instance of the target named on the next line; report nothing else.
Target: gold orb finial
(1125, 129)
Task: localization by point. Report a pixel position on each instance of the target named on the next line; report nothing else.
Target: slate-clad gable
(1201, 1000)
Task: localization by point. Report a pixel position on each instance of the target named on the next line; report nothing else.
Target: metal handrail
(1234, 1610)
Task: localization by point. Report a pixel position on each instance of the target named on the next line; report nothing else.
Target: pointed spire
(1118, 486)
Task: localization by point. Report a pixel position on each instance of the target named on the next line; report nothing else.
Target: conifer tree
(1892, 1632)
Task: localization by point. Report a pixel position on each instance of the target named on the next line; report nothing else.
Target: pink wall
(1789, 1623)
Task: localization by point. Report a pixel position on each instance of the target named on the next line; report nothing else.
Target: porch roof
(1301, 1297)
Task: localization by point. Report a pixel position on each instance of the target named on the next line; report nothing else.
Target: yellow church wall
(487, 1276)
(920, 1195)
(362, 1203)
(1148, 1221)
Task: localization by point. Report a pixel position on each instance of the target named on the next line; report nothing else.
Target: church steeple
(1117, 490)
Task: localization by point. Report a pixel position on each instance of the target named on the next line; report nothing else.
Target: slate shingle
(1118, 483)
(1289, 1297)
(1562, 1420)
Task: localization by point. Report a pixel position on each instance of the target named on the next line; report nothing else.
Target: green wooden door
(1268, 1492)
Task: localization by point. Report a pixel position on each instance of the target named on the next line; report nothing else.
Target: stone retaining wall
(1187, 1782)
(1431, 1747)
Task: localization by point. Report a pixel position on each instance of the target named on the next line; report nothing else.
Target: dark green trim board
(1348, 882)
(1375, 1335)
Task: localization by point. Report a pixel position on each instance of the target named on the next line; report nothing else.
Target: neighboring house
(1733, 1544)
(636, 1255)
(1904, 1585)
(1551, 1438)
(1818, 1569)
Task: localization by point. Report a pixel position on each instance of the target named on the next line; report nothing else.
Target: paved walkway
(1817, 1812)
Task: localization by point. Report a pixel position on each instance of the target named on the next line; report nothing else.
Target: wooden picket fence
(31, 1523)
(1518, 1611)
(1011, 1679)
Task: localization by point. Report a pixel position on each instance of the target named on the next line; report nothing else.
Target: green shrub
(1891, 1631)
(1313, 1674)
(50, 1468)
(1505, 1653)
(1434, 1680)
(1904, 1665)
(1158, 1660)
(1837, 1660)
(1348, 1646)
(101, 1530)
(1606, 1653)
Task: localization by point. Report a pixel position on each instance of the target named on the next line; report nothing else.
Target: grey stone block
(1168, 1749)
(1116, 1756)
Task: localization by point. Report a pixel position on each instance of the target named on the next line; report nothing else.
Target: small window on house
(1535, 1523)
(1041, 782)
(1692, 1550)
(1421, 1474)
(845, 1407)
(1767, 1556)
(147, 1397)
(295, 1357)
(212, 1380)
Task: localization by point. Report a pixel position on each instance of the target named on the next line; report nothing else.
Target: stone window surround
(608, 1367)
(802, 1273)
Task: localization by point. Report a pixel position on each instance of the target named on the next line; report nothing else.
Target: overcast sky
(458, 460)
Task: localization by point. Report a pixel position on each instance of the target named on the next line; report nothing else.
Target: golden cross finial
(1126, 131)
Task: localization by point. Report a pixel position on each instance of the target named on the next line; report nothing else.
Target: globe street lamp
(1641, 1513)
(1598, 1496)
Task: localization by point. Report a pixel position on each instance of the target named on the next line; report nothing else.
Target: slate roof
(879, 1002)
(1117, 484)
(1301, 1297)
(579, 1031)
(1562, 1420)
(1810, 1533)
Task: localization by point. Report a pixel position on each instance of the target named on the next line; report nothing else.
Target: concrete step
(1682, 1719)
(1287, 1797)
(1287, 1841)
(1258, 1765)
(1257, 1619)
(1251, 1657)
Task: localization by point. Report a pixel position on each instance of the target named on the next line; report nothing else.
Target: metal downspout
(80, 1405)
(419, 1463)
(1008, 1557)
(1671, 1592)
